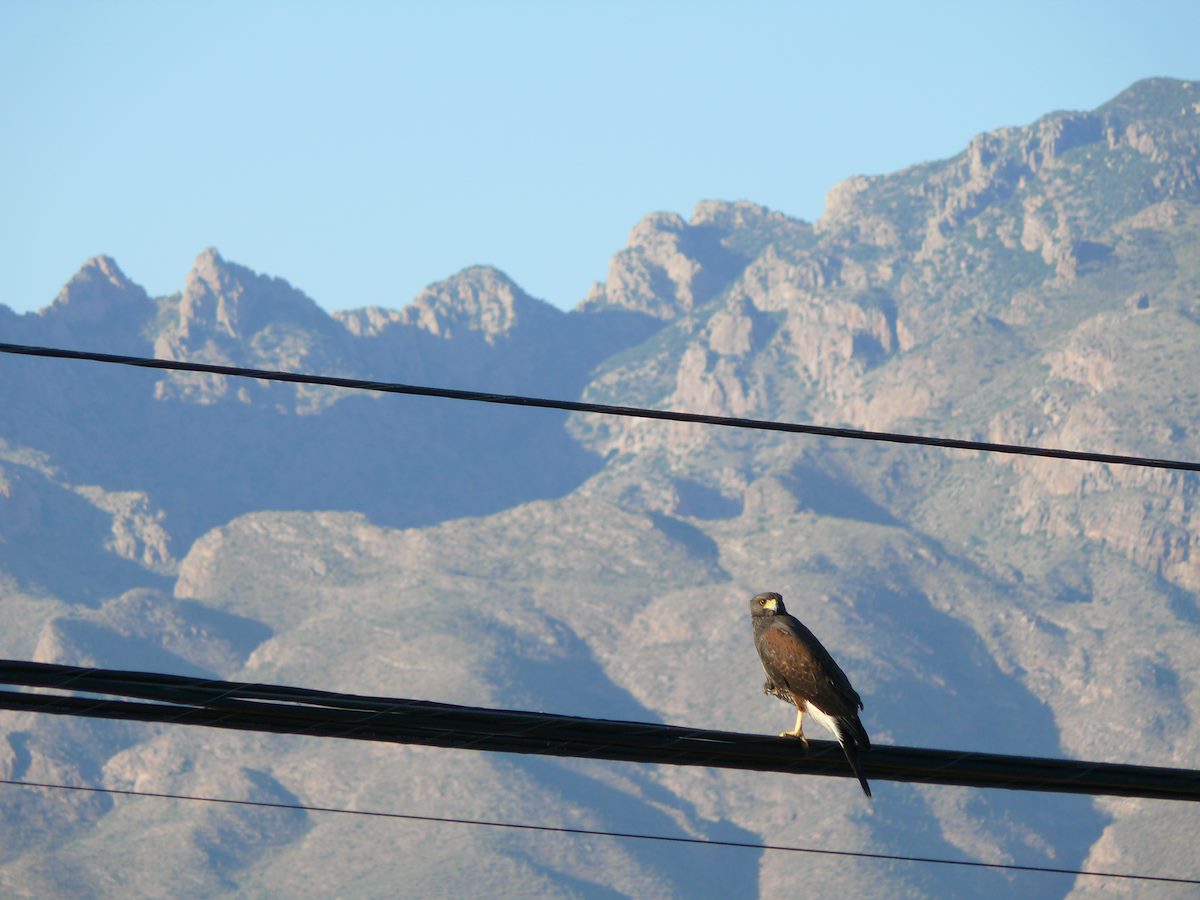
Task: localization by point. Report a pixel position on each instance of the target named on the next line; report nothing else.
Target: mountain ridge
(1040, 286)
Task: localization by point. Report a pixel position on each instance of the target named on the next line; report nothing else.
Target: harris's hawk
(801, 672)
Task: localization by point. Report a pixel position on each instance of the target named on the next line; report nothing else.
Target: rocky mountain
(1041, 287)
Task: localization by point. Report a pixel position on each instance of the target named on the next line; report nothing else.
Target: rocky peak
(480, 300)
(1155, 98)
(99, 308)
(226, 299)
(741, 214)
(670, 266)
(1050, 187)
(211, 294)
(230, 315)
(98, 280)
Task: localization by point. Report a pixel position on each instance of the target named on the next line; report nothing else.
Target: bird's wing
(793, 657)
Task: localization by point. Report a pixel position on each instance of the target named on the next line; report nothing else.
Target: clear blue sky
(362, 150)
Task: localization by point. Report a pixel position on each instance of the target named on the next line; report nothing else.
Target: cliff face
(1040, 287)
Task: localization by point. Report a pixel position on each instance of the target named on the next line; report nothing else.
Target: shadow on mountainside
(54, 542)
(621, 796)
(951, 694)
(402, 460)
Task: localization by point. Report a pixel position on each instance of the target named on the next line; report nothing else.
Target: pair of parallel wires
(279, 709)
(1179, 784)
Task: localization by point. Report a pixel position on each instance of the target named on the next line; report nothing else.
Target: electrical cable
(594, 832)
(180, 700)
(601, 408)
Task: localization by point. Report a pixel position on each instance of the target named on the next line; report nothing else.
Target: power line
(601, 408)
(290, 710)
(594, 832)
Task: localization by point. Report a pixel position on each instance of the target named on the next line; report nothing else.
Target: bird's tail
(852, 736)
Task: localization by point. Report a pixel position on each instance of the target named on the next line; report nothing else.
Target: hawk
(801, 672)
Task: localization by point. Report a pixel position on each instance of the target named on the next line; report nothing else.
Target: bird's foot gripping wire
(798, 731)
(795, 734)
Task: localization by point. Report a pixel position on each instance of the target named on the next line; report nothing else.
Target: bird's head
(768, 604)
